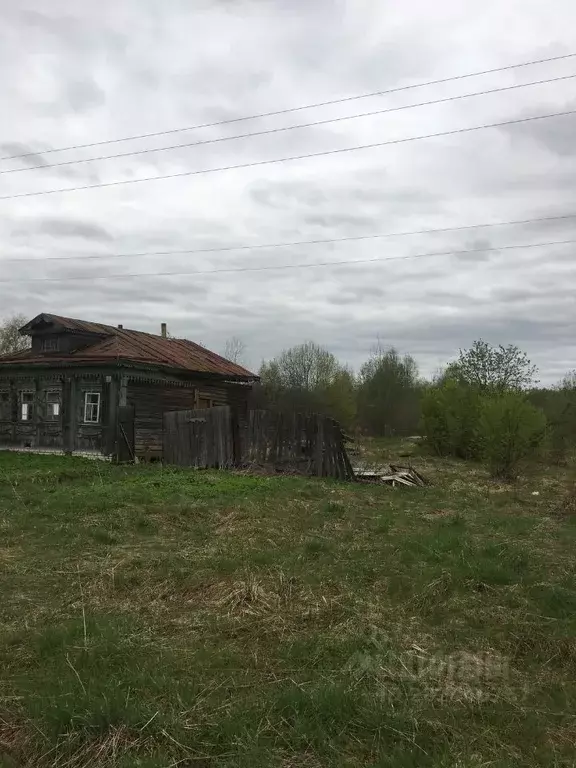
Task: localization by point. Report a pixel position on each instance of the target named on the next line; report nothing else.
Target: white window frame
(26, 408)
(92, 416)
(57, 412)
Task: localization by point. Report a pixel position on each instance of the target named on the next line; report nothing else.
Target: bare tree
(235, 349)
(10, 339)
(306, 367)
(568, 381)
(307, 378)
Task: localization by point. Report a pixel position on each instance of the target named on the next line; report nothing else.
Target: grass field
(157, 617)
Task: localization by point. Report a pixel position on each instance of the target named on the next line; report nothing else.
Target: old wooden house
(97, 389)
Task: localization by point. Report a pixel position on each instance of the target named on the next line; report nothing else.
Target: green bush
(450, 415)
(499, 428)
(559, 406)
(562, 434)
(509, 429)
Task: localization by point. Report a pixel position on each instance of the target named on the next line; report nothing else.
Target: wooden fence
(215, 437)
(199, 438)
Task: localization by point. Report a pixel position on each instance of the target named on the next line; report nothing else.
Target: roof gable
(60, 324)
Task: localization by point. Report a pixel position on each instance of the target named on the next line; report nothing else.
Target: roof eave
(126, 363)
(188, 372)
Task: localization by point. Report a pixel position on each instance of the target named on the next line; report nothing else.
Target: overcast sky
(75, 72)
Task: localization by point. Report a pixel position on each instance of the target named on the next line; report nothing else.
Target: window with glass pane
(53, 405)
(50, 344)
(92, 407)
(26, 406)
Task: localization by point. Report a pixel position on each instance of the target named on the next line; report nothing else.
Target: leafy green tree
(509, 429)
(480, 408)
(450, 416)
(389, 393)
(338, 399)
(493, 369)
(559, 405)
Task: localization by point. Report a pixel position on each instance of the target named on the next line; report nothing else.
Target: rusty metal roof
(128, 346)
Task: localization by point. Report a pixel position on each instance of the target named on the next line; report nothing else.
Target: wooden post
(235, 433)
(319, 431)
(37, 410)
(110, 391)
(330, 446)
(13, 408)
(65, 413)
(349, 472)
(61, 381)
(69, 415)
(123, 391)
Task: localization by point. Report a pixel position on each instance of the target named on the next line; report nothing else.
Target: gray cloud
(339, 220)
(556, 135)
(29, 156)
(481, 250)
(83, 95)
(91, 73)
(65, 228)
(64, 28)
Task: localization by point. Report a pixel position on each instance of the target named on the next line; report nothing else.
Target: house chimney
(120, 326)
(163, 331)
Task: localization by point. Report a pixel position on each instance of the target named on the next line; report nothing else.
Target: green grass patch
(160, 617)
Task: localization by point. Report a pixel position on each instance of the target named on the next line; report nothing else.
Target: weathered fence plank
(199, 438)
(297, 442)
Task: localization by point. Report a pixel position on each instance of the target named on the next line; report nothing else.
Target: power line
(267, 268)
(296, 109)
(308, 156)
(261, 246)
(286, 127)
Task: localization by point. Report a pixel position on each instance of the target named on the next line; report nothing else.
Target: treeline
(384, 398)
(485, 404)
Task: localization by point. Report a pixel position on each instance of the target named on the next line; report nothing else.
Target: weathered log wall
(64, 430)
(151, 400)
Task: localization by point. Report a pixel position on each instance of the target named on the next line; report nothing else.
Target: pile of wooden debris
(391, 475)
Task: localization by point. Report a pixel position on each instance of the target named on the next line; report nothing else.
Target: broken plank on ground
(391, 475)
